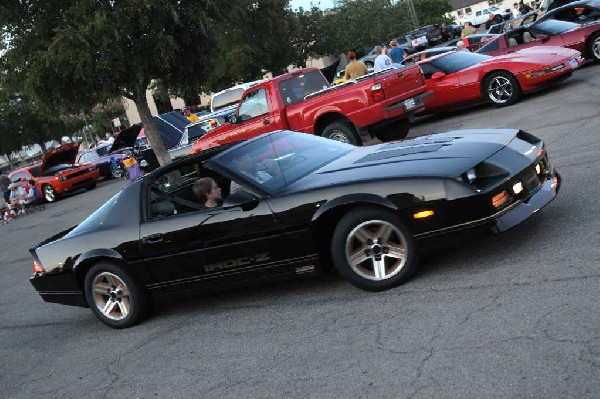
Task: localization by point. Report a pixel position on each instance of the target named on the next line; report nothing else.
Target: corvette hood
(64, 154)
(535, 55)
(437, 155)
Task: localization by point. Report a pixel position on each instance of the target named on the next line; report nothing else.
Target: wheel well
(587, 43)
(326, 224)
(82, 269)
(327, 119)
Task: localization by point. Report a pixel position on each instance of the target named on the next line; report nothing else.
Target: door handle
(153, 238)
(266, 121)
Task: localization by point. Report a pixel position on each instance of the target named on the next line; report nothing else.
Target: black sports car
(301, 203)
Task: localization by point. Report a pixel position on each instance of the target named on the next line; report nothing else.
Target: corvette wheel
(501, 89)
(49, 192)
(342, 131)
(114, 297)
(593, 47)
(373, 249)
(116, 172)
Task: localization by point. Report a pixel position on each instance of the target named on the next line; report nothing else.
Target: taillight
(377, 93)
(36, 267)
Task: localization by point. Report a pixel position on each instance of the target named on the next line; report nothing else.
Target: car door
(254, 116)
(445, 89)
(197, 248)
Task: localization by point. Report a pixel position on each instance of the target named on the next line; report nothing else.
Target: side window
(253, 105)
(429, 69)
(19, 176)
(468, 10)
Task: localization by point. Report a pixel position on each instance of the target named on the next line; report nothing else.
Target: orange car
(57, 174)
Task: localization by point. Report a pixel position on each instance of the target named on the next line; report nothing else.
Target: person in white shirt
(516, 13)
(382, 61)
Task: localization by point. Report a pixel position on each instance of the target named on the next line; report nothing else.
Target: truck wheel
(396, 131)
(342, 131)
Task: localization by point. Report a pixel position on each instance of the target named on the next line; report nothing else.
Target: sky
(322, 4)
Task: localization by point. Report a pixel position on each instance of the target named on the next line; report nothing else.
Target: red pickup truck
(378, 105)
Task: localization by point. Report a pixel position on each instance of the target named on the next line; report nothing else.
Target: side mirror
(438, 75)
(232, 118)
(240, 199)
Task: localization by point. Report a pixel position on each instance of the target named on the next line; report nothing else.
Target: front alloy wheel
(502, 89)
(49, 193)
(373, 249)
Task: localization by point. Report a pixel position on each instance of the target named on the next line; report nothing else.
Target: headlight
(471, 175)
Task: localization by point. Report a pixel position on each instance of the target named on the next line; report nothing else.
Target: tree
(308, 38)
(78, 53)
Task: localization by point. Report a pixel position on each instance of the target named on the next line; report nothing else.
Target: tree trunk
(152, 133)
(42, 145)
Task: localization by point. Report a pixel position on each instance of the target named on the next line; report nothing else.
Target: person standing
(396, 53)
(354, 68)
(468, 30)
(515, 11)
(524, 8)
(4, 183)
(493, 19)
(188, 114)
(382, 61)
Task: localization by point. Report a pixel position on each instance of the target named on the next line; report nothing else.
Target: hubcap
(339, 136)
(596, 48)
(49, 194)
(500, 90)
(111, 296)
(376, 250)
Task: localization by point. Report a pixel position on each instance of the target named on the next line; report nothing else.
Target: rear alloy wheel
(373, 249)
(342, 131)
(49, 193)
(501, 89)
(593, 47)
(114, 297)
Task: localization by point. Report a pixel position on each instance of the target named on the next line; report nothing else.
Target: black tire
(49, 193)
(369, 64)
(396, 131)
(342, 131)
(115, 298)
(117, 172)
(593, 47)
(501, 89)
(368, 235)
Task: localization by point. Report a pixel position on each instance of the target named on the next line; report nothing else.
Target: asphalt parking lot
(514, 315)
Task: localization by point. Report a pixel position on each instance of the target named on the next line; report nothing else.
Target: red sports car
(57, 175)
(584, 38)
(462, 78)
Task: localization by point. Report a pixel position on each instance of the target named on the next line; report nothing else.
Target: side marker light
(423, 214)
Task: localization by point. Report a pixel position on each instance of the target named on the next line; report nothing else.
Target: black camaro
(293, 203)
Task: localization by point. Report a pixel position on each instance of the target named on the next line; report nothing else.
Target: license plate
(410, 103)
(573, 62)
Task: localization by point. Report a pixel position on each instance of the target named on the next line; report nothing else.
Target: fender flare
(358, 199)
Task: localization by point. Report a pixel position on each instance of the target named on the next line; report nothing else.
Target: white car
(481, 16)
(229, 97)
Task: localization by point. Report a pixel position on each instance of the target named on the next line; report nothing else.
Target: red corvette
(462, 78)
(584, 38)
(57, 175)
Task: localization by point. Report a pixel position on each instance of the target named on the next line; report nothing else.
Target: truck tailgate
(404, 83)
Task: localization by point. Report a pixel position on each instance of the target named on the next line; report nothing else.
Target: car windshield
(458, 61)
(552, 27)
(273, 162)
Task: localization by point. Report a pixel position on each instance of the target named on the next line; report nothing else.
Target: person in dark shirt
(208, 192)
(493, 19)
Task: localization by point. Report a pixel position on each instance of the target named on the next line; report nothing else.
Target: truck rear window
(294, 89)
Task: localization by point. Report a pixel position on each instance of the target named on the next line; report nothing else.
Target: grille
(77, 174)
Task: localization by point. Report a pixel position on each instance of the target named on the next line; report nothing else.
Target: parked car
(462, 78)
(369, 211)
(450, 31)
(473, 42)
(433, 33)
(229, 97)
(195, 130)
(419, 39)
(579, 12)
(379, 104)
(106, 157)
(58, 174)
(430, 52)
(584, 38)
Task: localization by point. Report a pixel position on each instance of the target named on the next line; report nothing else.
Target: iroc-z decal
(243, 261)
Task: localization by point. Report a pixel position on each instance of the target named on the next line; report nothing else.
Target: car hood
(438, 155)
(126, 138)
(64, 154)
(536, 54)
